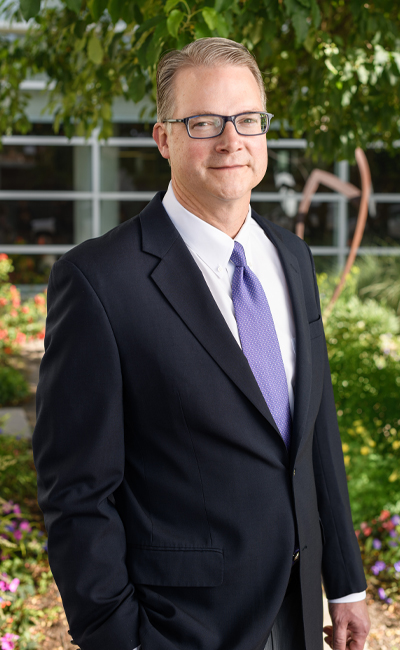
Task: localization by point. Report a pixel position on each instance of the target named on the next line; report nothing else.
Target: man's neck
(228, 216)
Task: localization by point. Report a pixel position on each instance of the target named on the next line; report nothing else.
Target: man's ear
(160, 135)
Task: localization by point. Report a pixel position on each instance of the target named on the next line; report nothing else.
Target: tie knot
(238, 256)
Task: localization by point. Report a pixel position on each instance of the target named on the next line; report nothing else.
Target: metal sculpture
(354, 194)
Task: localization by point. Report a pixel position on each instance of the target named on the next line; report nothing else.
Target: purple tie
(259, 340)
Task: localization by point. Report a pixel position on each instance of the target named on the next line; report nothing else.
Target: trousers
(287, 631)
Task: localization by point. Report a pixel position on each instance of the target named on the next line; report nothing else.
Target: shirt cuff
(351, 598)
(138, 648)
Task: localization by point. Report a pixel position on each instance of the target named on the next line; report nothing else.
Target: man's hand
(350, 628)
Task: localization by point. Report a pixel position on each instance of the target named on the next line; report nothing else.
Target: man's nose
(229, 140)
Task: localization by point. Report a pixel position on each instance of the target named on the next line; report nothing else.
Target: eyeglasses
(211, 126)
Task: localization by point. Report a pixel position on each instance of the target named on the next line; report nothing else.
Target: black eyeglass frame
(225, 118)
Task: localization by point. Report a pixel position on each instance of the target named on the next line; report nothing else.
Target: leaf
(170, 4)
(222, 27)
(148, 24)
(74, 5)
(115, 9)
(315, 13)
(79, 44)
(305, 3)
(96, 8)
(173, 21)
(202, 31)
(29, 8)
(300, 25)
(137, 86)
(95, 50)
(210, 16)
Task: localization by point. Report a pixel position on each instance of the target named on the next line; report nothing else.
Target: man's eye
(248, 120)
(203, 123)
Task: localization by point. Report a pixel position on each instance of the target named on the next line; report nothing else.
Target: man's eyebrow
(248, 110)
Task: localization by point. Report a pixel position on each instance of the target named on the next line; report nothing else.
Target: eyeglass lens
(207, 126)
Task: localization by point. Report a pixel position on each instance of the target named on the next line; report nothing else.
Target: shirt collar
(212, 245)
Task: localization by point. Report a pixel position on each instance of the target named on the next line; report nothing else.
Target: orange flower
(3, 334)
(3, 256)
(39, 300)
(7, 350)
(41, 334)
(25, 309)
(16, 301)
(14, 313)
(21, 337)
(3, 301)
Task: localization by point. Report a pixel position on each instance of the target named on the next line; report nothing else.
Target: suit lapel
(303, 345)
(181, 282)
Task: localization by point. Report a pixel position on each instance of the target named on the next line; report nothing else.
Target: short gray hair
(207, 52)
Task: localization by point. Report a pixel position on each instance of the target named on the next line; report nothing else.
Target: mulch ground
(384, 635)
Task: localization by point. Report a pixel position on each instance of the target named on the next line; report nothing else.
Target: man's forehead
(218, 89)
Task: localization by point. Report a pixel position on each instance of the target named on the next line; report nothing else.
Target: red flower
(385, 514)
(367, 531)
(3, 256)
(25, 309)
(21, 337)
(388, 525)
(7, 350)
(3, 301)
(39, 300)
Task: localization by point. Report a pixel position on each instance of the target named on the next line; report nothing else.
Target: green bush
(364, 354)
(13, 387)
(379, 541)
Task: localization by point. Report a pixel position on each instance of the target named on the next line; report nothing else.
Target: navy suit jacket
(171, 503)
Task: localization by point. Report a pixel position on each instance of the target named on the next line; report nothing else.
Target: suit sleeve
(342, 568)
(78, 446)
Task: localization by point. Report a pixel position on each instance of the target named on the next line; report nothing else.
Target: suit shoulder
(108, 248)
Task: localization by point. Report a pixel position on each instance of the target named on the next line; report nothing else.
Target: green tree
(331, 67)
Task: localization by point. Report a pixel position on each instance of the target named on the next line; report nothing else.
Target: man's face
(227, 167)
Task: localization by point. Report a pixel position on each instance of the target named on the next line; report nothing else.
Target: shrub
(18, 322)
(379, 541)
(24, 569)
(364, 354)
(13, 387)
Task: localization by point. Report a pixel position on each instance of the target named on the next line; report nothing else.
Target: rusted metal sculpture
(352, 192)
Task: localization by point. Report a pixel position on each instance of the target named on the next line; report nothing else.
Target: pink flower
(7, 641)
(25, 525)
(367, 531)
(384, 515)
(13, 586)
(17, 535)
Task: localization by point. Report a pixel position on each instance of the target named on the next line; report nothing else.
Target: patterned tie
(259, 341)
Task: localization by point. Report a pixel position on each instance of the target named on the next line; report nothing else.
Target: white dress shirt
(211, 250)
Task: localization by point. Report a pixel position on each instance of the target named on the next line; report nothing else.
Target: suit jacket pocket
(316, 328)
(175, 567)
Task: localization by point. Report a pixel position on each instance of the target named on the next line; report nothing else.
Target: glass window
(320, 224)
(289, 168)
(36, 167)
(115, 212)
(385, 171)
(133, 169)
(44, 222)
(383, 224)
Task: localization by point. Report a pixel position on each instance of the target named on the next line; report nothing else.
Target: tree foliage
(331, 67)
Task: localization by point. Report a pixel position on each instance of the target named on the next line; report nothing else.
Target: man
(187, 448)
